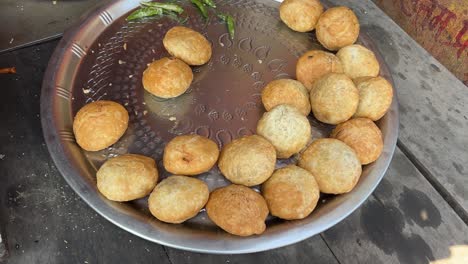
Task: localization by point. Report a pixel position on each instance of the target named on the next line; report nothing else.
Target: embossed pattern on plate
(223, 103)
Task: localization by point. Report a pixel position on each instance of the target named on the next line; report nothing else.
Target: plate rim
(73, 178)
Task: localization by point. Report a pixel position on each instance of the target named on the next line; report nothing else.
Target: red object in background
(440, 26)
(8, 70)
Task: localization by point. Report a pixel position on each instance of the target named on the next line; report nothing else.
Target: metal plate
(104, 56)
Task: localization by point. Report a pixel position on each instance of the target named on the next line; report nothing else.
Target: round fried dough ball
(188, 45)
(100, 124)
(249, 160)
(337, 27)
(178, 198)
(334, 164)
(127, 177)
(363, 136)
(334, 98)
(286, 128)
(300, 15)
(167, 77)
(238, 210)
(314, 64)
(375, 97)
(291, 193)
(358, 61)
(190, 155)
(286, 91)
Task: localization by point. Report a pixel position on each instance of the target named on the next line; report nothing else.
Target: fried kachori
(100, 124)
(286, 128)
(178, 198)
(127, 177)
(190, 155)
(335, 165)
(334, 98)
(249, 160)
(363, 136)
(286, 91)
(291, 193)
(238, 210)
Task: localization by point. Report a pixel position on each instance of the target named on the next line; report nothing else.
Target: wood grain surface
(405, 221)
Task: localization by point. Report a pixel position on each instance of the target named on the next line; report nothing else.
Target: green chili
(210, 3)
(201, 7)
(230, 23)
(144, 12)
(166, 6)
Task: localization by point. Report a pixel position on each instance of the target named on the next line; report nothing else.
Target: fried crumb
(145, 112)
(424, 215)
(260, 61)
(172, 118)
(221, 44)
(125, 46)
(121, 62)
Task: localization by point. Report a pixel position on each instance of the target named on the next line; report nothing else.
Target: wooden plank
(404, 221)
(433, 108)
(312, 250)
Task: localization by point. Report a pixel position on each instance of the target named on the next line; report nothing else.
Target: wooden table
(416, 215)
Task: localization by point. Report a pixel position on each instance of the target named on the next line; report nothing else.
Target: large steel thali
(103, 57)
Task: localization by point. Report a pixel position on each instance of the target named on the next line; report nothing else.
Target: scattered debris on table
(8, 70)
